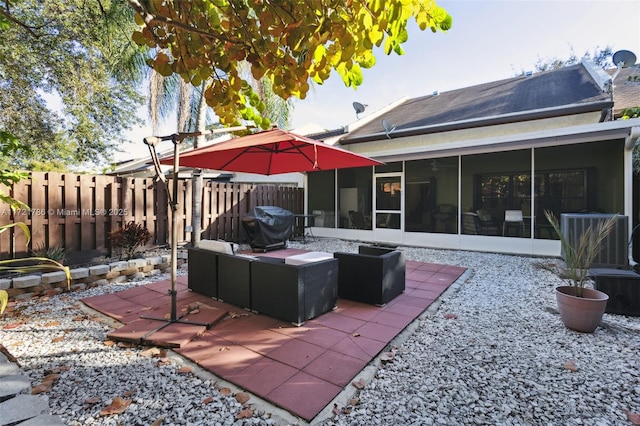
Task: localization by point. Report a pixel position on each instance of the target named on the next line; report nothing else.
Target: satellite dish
(359, 108)
(624, 58)
(388, 128)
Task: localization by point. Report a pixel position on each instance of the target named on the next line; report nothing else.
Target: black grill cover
(268, 226)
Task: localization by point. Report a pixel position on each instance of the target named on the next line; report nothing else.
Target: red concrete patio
(301, 369)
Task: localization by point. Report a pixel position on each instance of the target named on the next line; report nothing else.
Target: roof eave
(629, 130)
(484, 121)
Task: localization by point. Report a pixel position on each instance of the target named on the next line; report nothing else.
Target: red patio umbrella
(271, 152)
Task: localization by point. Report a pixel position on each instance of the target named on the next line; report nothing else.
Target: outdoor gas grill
(268, 227)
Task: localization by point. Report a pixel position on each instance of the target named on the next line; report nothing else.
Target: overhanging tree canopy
(65, 88)
(289, 41)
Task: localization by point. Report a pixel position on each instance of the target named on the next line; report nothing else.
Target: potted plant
(580, 308)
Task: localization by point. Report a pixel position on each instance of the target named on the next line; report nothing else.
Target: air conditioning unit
(614, 251)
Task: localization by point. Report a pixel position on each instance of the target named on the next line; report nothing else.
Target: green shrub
(57, 252)
(127, 240)
(631, 112)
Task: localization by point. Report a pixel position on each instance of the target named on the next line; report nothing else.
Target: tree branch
(149, 19)
(5, 12)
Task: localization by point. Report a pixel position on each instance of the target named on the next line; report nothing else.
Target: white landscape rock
(494, 351)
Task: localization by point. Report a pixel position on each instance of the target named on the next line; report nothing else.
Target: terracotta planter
(584, 313)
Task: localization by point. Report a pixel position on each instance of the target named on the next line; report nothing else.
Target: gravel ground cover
(494, 352)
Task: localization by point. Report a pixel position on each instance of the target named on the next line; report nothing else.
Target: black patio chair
(471, 224)
(374, 275)
(357, 220)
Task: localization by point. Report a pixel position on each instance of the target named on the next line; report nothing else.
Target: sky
(489, 41)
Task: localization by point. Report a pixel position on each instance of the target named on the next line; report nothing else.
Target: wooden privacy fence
(77, 211)
(224, 205)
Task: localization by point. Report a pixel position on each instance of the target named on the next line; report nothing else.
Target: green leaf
(446, 23)
(388, 46)
(439, 14)
(4, 23)
(162, 64)
(20, 225)
(319, 53)
(368, 60)
(355, 76)
(13, 203)
(266, 123)
(139, 38)
(4, 299)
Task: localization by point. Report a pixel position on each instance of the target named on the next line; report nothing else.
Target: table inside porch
(302, 223)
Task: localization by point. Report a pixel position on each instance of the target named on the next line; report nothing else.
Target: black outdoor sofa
(292, 293)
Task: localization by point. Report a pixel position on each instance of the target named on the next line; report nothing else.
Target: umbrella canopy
(271, 152)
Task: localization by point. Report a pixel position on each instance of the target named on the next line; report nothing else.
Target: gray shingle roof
(566, 87)
(327, 134)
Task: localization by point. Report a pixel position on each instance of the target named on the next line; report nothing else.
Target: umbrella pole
(174, 231)
(174, 251)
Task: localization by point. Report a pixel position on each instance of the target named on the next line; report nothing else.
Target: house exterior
(459, 162)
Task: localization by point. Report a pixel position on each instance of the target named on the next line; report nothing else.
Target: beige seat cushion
(217, 246)
(312, 256)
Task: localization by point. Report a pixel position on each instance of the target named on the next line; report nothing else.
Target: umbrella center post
(173, 316)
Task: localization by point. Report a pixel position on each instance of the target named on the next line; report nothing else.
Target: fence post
(161, 206)
(40, 227)
(19, 241)
(196, 208)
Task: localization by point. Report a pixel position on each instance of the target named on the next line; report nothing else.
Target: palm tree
(168, 94)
